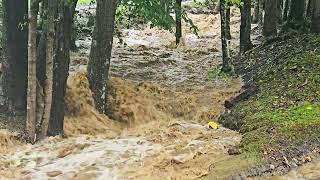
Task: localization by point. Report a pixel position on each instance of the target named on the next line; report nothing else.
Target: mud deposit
(161, 101)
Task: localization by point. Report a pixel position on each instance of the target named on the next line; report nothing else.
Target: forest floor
(161, 99)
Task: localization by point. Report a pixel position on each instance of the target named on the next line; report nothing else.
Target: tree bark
(270, 19)
(74, 32)
(261, 9)
(245, 27)
(100, 53)
(226, 60)
(178, 21)
(61, 63)
(295, 16)
(285, 10)
(315, 26)
(14, 60)
(32, 75)
(228, 30)
(256, 13)
(49, 67)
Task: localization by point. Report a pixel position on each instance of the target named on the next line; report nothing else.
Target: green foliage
(217, 74)
(286, 111)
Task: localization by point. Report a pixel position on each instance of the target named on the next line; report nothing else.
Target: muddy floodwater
(161, 99)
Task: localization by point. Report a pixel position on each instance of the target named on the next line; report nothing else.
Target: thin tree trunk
(245, 27)
(74, 33)
(285, 10)
(228, 30)
(32, 75)
(49, 68)
(100, 54)
(270, 19)
(306, 5)
(315, 26)
(256, 13)
(261, 9)
(14, 56)
(226, 60)
(178, 21)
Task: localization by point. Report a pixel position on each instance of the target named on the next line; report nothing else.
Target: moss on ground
(285, 113)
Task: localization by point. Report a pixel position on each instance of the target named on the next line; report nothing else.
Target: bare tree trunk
(74, 33)
(32, 75)
(270, 19)
(100, 54)
(285, 10)
(315, 27)
(14, 57)
(228, 30)
(226, 60)
(178, 21)
(295, 16)
(256, 13)
(306, 5)
(245, 27)
(61, 63)
(49, 68)
(260, 21)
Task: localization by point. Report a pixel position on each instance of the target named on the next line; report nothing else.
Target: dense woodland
(36, 50)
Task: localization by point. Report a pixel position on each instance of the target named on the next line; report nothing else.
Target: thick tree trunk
(245, 27)
(49, 67)
(14, 61)
(226, 60)
(100, 54)
(61, 62)
(295, 16)
(315, 27)
(256, 13)
(178, 21)
(270, 19)
(32, 75)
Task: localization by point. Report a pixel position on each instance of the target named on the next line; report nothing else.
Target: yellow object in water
(213, 125)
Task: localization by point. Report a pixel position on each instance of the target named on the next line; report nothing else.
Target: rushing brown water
(161, 101)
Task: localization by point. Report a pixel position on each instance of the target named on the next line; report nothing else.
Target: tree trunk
(306, 5)
(245, 27)
(261, 9)
(100, 53)
(270, 19)
(49, 67)
(15, 52)
(178, 21)
(228, 31)
(61, 63)
(256, 13)
(285, 10)
(315, 26)
(295, 16)
(74, 29)
(32, 75)
(226, 60)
